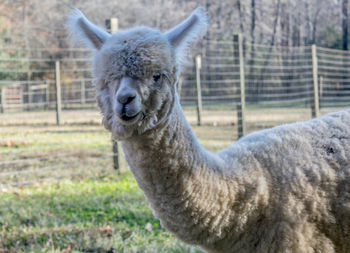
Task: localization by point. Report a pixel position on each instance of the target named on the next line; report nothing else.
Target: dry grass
(72, 200)
(32, 145)
(210, 116)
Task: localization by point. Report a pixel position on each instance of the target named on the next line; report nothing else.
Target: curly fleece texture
(285, 189)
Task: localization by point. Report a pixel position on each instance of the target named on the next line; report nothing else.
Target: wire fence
(275, 77)
(241, 85)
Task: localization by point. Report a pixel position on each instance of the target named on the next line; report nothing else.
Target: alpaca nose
(125, 94)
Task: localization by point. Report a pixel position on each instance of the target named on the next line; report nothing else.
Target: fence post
(30, 95)
(82, 92)
(115, 154)
(199, 90)
(47, 94)
(321, 86)
(29, 89)
(112, 27)
(58, 92)
(315, 109)
(3, 100)
(238, 51)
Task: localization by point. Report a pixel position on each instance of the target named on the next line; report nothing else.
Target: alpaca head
(136, 70)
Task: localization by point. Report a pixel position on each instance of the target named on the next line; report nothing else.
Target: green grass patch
(109, 214)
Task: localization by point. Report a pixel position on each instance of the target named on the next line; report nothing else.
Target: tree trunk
(296, 31)
(241, 21)
(345, 44)
(285, 31)
(252, 52)
(252, 25)
(238, 4)
(314, 30)
(272, 43)
(345, 24)
(285, 35)
(307, 39)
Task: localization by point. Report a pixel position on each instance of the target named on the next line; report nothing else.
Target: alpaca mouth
(130, 119)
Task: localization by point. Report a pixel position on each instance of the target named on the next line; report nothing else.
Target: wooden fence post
(82, 92)
(30, 92)
(115, 154)
(321, 86)
(199, 90)
(315, 109)
(47, 94)
(112, 27)
(238, 53)
(3, 100)
(29, 96)
(58, 93)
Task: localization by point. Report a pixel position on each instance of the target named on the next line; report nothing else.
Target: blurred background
(64, 184)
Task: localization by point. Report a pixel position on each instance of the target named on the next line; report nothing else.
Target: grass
(72, 200)
(106, 214)
(32, 153)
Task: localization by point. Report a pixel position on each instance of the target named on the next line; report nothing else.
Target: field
(59, 192)
(107, 214)
(72, 199)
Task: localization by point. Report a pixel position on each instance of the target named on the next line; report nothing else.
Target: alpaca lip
(131, 119)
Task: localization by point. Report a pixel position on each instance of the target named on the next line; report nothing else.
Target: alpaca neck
(168, 163)
(181, 180)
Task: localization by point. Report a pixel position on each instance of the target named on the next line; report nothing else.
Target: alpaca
(285, 189)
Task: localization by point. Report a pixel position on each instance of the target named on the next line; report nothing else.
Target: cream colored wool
(286, 189)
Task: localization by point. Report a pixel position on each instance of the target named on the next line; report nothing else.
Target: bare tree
(345, 24)
(240, 13)
(300, 23)
(252, 25)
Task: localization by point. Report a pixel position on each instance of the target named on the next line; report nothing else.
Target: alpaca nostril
(130, 99)
(126, 98)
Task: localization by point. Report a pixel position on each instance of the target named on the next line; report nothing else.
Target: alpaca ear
(182, 35)
(82, 31)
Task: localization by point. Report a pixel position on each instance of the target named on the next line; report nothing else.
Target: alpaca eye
(157, 77)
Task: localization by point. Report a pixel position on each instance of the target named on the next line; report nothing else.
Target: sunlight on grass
(87, 206)
(89, 215)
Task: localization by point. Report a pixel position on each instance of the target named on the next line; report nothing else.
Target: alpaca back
(307, 169)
